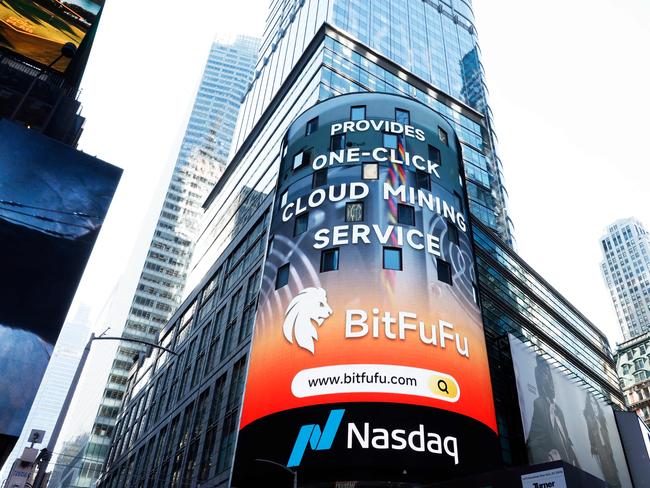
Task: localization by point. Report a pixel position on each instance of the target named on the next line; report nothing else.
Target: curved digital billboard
(368, 359)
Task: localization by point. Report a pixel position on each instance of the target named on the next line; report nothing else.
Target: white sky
(568, 84)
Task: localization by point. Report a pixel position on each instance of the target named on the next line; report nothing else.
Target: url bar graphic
(375, 378)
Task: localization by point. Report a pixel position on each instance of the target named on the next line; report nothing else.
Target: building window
(319, 178)
(284, 147)
(282, 278)
(370, 171)
(434, 155)
(392, 258)
(390, 141)
(329, 260)
(422, 180)
(459, 202)
(312, 126)
(444, 271)
(402, 116)
(444, 138)
(405, 214)
(337, 142)
(452, 231)
(301, 224)
(358, 112)
(283, 198)
(303, 158)
(354, 212)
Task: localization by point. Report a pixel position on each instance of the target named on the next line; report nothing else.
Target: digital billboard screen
(38, 29)
(368, 359)
(565, 422)
(53, 200)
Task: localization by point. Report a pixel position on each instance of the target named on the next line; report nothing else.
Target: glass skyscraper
(626, 271)
(179, 417)
(201, 161)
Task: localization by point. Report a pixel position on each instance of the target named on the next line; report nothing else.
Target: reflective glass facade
(179, 421)
(626, 271)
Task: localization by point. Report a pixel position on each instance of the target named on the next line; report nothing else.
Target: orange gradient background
(274, 361)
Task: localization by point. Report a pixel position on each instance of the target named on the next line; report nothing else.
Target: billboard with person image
(563, 421)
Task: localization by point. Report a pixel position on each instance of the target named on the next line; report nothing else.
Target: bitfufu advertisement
(368, 359)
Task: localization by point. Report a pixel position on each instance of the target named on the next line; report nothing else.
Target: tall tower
(313, 50)
(180, 416)
(626, 270)
(201, 161)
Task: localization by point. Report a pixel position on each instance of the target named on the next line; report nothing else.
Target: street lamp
(46, 454)
(294, 472)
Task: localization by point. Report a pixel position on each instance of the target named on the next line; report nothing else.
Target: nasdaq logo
(312, 435)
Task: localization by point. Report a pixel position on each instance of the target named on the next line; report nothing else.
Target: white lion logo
(308, 306)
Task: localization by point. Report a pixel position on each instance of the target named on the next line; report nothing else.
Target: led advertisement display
(38, 29)
(368, 359)
(565, 422)
(53, 200)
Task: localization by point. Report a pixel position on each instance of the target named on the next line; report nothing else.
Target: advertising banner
(565, 422)
(368, 358)
(38, 29)
(53, 200)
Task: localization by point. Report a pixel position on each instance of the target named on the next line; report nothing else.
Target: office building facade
(180, 415)
(633, 366)
(40, 77)
(201, 161)
(626, 271)
(516, 300)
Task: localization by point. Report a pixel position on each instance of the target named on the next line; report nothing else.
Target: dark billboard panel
(53, 200)
(368, 359)
(38, 29)
(635, 436)
(565, 422)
